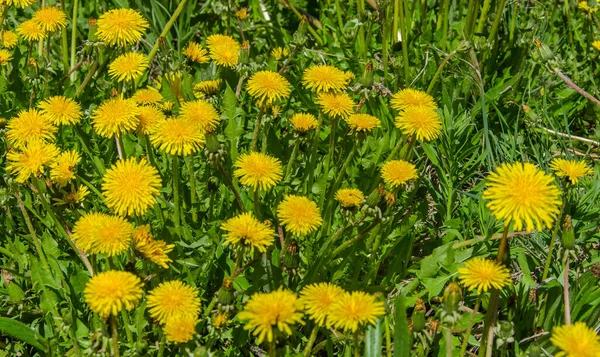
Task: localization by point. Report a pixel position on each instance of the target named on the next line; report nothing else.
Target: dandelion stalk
(356, 344)
(176, 198)
(193, 194)
(119, 149)
(463, 348)
(74, 36)
(404, 35)
(313, 154)
(34, 237)
(115, 335)
(238, 199)
(256, 132)
(311, 341)
(256, 203)
(566, 291)
(290, 164)
(555, 233)
(273, 348)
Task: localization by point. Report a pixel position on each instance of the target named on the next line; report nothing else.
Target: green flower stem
(193, 194)
(484, 15)
(439, 70)
(34, 237)
(472, 10)
(404, 35)
(235, 191)
(256, 203)
(354, 240)
(273, 348)
(74, 36)
(566, 291)
(87, 78)
(119, 148)
(313, 154)
(126, 322)
(445, 23)
(256, 132)
(339, 12)
(356, 344)
(290, 164)
(555, 232)
(388, 337)
(64, 44)
(115, 335)
(497, 19)
(176, 193)
(487, 336)
(463, 348)
(311, 341)
(339, 177)
(161, 346)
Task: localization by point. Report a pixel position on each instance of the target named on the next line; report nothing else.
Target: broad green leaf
(373, 340)
(401, 332)
(22, 332)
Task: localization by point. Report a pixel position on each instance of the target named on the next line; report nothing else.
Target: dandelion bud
(418, 316)
(568, 234)
(367, 80)
(452, 296)
(291, 257)
(212, 142)
(543, 51)
(3, 123)
(245, 52)
(535, 351)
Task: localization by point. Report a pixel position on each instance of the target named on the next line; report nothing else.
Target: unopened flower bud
(367, 79)
(568, 234)
(452, 296)
(418, 316)
(291, 257)
(245, 52)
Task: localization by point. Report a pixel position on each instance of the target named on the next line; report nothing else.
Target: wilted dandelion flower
(62, 170)
(421, 121)
(409, 97)
(30, 30)
(74, 197)
(196, 53)
(571, 169)
(318, 300)
(351, 310)
(51, 18)
(128, 67)
(115, 117)
(154, 250)
(172, 299)
(29, 125)
(336, 105)
(576, 340)
(483, 274)
(245, 230)
(130, 187)
(303, 122)
(61, 110)
(279, 53)
(363, 122)
(121, 27)
(9, 39)
(325, 78)
(299, 215)
(177, 136)
(265, 87)
(149, 118)
(31, 161)
(523, 194)
(5, 57)
(349, 197)
(180, 329)
(210, 87)
(242, 13)
(101, 233)
(264, 311)
(147, 96)
(258, 170)
(224, 50)
(107, 293)
(18, 3)
(398, 172)
(220, 321)
(201, 113)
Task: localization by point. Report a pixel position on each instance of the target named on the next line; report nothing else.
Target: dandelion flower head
(398, 172)
(571, 169)
(109, 292)
(258, 170)
(318, 300)
(299, 215)
(101, 233)
(245, 230)
(121, 27)
(61, 110)
(171, 299)
(482, 274)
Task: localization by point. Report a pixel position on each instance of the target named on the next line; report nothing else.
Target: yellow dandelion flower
(18, 3)
(220, 321)
(100, 233)
(9, 39)
(180, 329)
(596, 44)
(5, 57)
(245, 230)
(576, 340)
(363, 122)
(398, 172)
(325, 78)
(303, 122)
(130, 187)
(266, 87)
(483, 274)
(74, 197)
(299, 215)
(409, 97)
(573, 170)
(51, 18)
(128, 67)
(29, 125)
(242, 13)
(264, 311)
(258, 170)
(196, 53)
(172, 299)
(336, 105)
(168, 106)
(31, 31)
(224, 50)
(149, 118)
(177, 137)
(201, 113)
(279, 53)
(318, 300)
(351, 310)
(121, 27)
(421, 121)
(349, 197)
(115, 117)
(61, 110)
(523, 194)
(210, 87)
(147, 96)
(62, 170)
(107, 293)
(154, 250)
(31, 161)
